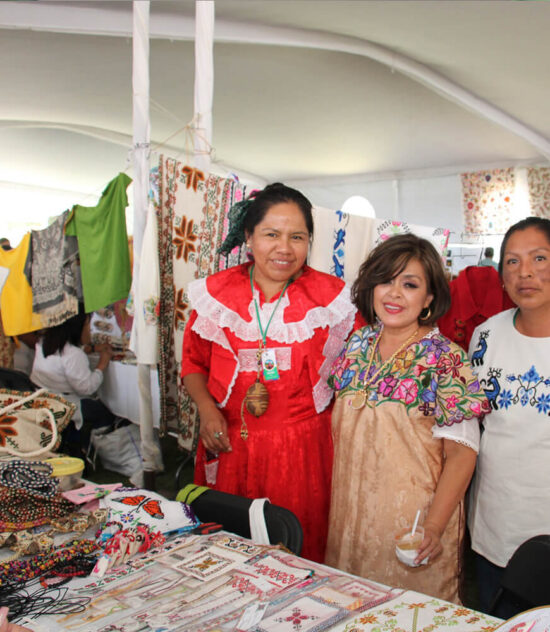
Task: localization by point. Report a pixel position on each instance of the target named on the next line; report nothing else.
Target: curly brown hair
(387, 261)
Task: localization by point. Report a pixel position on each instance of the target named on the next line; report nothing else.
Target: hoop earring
(426, 316)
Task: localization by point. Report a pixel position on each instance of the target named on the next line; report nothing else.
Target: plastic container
(68, 470)
(406, 545)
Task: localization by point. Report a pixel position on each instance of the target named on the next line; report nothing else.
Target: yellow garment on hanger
(16, 300)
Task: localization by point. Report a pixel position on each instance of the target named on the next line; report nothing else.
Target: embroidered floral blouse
(431, 377)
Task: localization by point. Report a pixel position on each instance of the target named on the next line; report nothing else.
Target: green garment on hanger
(103, 245)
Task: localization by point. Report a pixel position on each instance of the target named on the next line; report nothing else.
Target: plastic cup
(406, 545)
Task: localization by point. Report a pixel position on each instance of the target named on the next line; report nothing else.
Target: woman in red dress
(275, 325)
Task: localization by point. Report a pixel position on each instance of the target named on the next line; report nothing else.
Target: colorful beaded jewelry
(17, 573)
(23, 509)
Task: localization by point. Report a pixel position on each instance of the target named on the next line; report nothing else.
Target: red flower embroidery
(6, 421)
(450, 364)
(184, 239)
(194, 176)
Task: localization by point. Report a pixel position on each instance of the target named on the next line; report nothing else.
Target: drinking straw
(415, 522)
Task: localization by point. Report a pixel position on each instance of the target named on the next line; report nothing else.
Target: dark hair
(55, 338)
(388, 260)
(489, 252)
(276, 193)
(540, 223)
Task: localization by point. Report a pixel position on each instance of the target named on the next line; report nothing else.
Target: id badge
(269, 365)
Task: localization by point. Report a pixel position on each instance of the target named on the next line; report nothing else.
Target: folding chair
(525, 583)
(232, 512)
(15, 380)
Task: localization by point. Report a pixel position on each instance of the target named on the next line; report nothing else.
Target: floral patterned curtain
(192, 208)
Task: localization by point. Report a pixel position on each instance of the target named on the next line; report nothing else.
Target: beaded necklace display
(256, 399)
(22, 509)
(361, 397)
(14, 574)
(34, 476)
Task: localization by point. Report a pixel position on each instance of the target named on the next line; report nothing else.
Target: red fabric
(288, 454)
(476, 295)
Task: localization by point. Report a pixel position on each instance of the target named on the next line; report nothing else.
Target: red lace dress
(288, 454)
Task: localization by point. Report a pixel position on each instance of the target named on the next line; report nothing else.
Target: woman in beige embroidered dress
(405, 425)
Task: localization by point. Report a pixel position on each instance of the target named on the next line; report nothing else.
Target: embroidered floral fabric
(14, 426)
(417, 612)
(431, 376)
(192, 212)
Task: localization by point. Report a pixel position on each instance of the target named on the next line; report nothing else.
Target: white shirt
(511, 492)
(68, 374)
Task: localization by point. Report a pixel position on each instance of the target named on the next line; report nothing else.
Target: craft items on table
(90, 492)
(22, 508)
(416, 612)
(132, 506)
(120, 543)
(22, 431)
(67, 470)
(180, 587)
(34, 476)
(31, 587)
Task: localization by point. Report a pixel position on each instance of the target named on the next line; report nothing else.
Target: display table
(224, 582)
(120, 393)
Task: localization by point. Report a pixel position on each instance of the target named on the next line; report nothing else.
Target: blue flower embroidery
(428, 395)
(523, 395)
(543, 404)
(505, 399)
(531, 375)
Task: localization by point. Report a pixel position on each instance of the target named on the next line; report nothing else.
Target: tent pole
(204, 82)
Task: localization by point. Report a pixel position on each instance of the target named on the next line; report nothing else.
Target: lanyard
(263, 332)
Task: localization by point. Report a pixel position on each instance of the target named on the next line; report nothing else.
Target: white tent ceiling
(296, 108)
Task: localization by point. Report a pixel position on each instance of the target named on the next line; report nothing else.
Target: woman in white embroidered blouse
(511, 354)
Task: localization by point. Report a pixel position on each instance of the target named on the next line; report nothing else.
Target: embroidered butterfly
(149, 505)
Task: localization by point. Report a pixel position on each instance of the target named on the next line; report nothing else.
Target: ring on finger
(217, 435)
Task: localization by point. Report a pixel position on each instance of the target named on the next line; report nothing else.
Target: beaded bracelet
(14, 574)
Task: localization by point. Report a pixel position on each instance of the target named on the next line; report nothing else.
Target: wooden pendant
(358, 400)
(256, 399)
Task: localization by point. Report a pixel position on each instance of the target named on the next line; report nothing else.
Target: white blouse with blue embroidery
(511, 491)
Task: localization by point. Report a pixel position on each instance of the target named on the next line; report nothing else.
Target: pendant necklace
(256, 399)
(360, 397)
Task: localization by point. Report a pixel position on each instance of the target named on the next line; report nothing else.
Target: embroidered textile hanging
(53, 273)
(342, 241)
(538, 181)
(192, 210)
(487, 201)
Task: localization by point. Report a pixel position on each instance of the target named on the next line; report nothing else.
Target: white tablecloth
(120, 392)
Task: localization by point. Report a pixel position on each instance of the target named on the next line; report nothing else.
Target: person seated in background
(61, 366)
(487, 261)
(23, 355)
(5, 243)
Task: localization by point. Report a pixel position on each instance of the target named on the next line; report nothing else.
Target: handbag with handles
(31, 423)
